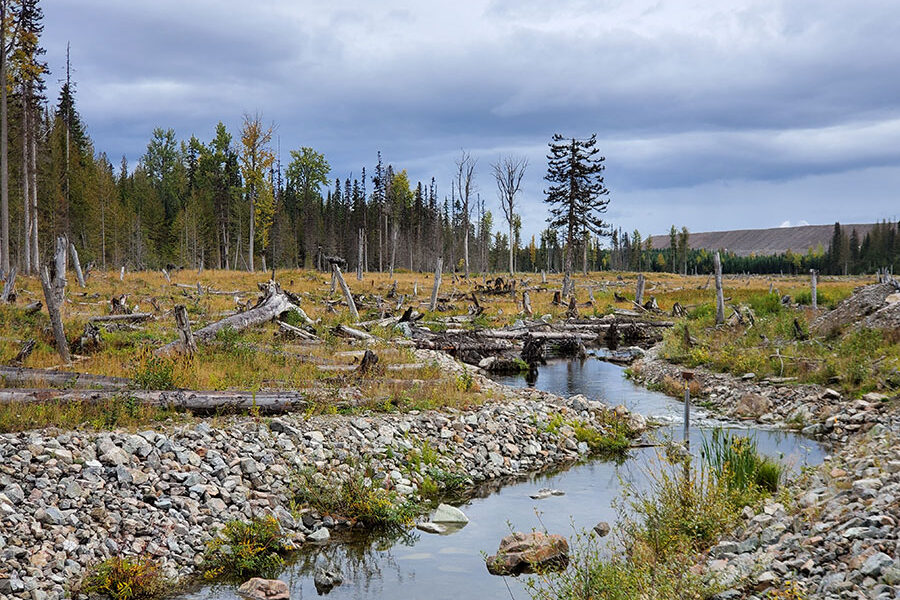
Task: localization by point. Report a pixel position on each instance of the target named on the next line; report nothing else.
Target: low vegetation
(611, 439)
(245, 549)
(357, 498)
(664, 529)
(124, 578)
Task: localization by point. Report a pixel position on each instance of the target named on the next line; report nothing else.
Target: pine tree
(577, 195)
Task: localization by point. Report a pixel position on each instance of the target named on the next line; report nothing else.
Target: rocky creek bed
(70, 499)
(838, 535)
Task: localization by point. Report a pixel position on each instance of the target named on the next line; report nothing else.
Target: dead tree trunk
(348, 297)
(432, 306)
(185, 335)
(77, 264)
(122, 274)
(9, 285)
(720, 295)
(526, 304)
(360, 245)
(639, 293)
(53, 297)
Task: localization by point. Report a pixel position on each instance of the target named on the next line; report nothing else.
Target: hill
(776, 240)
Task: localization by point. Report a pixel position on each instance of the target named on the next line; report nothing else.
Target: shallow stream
(421, 566)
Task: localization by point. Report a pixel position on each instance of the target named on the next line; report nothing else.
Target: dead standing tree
(465, 188)
(508, 173)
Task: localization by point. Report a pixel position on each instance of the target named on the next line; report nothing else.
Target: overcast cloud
(713, 115)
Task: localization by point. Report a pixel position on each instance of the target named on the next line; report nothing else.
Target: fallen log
(291, 330)
(22, 377)
(272, 305)
(115, 318)
(345, 331)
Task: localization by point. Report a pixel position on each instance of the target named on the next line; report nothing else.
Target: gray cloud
(698, 105)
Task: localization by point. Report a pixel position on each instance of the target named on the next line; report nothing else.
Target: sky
(711, 115)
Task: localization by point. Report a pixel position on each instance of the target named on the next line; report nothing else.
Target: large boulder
(751, 406)
(264, 589)
(528, 552)
(449, 514)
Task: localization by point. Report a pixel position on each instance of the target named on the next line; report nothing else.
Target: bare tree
(508, 173)
(465, 188)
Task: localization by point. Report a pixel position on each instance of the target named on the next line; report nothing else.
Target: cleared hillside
(776, 240)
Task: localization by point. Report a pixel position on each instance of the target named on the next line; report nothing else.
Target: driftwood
(22, 377)
(53, 299)
(273, 304)
(292, 331)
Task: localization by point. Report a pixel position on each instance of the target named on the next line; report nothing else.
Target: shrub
(125, 578)
(770, 304)
(356, 498)
(246, 549)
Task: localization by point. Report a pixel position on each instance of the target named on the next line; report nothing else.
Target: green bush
(769, 304)
(253, 548)
(125, 578)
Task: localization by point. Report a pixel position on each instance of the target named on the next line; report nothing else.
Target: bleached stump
(639, 293)
(9, 285)
(52, 296)
(166, 275)
(185, 335)
(432, 306)
(543, 277)
(122, 274)
(720, 295)
(348, 297)
(815, 293)
(526, 304)
(77, 264)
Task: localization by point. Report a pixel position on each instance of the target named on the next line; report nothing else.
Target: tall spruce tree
(577, 195)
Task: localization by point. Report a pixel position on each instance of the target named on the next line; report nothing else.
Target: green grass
(736, 461)
(357, 498)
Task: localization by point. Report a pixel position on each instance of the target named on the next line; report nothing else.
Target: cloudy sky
(713, 115)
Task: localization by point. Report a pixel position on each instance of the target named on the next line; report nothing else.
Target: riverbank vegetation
(245, 549)
(663, 530)
(125, 578)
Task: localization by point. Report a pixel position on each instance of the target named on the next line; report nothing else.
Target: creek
(420, 566)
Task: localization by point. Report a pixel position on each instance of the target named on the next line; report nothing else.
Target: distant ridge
(776, 240)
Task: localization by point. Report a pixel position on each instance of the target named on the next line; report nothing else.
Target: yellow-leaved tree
(256, 161)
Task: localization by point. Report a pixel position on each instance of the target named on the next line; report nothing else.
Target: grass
(357, 498)
(611, 438)
(245, 549)
(124, 578)
(121, 411)
(663, 530)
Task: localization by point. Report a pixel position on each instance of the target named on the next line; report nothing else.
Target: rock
(602, 529)
(875, 564)
(264, 589)
(830, 394)
(326, 578)
(448, 514)
(751, 406)
(546, 493)
(14, 492)
(319, 535)
(430, 527)
(527, 552)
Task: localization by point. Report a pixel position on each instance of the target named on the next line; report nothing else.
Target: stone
(546, 493)
(751, 406)
(602, 529)
(264, 589)
(875, 564)
(14, 492)
(326, 578)
(527, 552)
(319, 535)
(448, 514)
(430, 527)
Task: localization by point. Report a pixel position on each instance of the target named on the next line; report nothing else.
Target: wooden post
(432, 306)
(53, 302)
(720, 295)
(77, 264)
(188, 345)
(639, 294)
(526, 303)
(347, 295)
(815, 293)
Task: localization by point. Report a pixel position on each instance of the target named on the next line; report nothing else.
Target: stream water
(420, 566)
